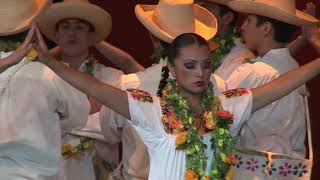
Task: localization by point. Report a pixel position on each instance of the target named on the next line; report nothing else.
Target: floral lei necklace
(178, 120)
(224, 45)
(86, 143)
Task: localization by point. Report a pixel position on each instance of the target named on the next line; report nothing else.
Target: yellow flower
(86, 145)
(214, 172)
(210, 122)
(221, 131)
(191, 175)
(32, 55)
(229, 175)
(220, 143)
(74, 150)
(181, 138)
(223, 157)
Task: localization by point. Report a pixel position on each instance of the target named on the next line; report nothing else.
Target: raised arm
(121, 59)
(110, 96)
(19, 53)
(302, 40)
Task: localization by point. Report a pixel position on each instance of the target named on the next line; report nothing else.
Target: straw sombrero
(170, 18)
(17, 15)
(282, 10)
(223, 2)
(80, 9)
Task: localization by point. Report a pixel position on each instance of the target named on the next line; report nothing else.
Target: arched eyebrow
(194, 60)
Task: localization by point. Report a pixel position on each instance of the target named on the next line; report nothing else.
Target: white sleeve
(147, 80)
(251, 76)
(239, 103)
(73, 105)
(219, 84)
(145, 117)
(108, 75)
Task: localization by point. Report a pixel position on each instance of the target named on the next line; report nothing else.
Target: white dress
(167, 163)
(117, 129)
(34, 106)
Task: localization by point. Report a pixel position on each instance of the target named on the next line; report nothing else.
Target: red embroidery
(235, 92)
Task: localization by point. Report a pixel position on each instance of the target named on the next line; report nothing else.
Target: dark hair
(282, 31)
(181, 41)
(91, 28)
(223, 9)
(19, 37)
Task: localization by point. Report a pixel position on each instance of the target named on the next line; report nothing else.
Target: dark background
(129, 35)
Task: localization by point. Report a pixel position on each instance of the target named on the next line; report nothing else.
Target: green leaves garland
(190, 140)
(225, 44)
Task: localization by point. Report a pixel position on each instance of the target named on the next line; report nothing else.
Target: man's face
(251, 33)
(73, 36)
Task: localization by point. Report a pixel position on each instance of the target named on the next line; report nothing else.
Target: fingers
(30, 36)
(311, 9)
(41, 42)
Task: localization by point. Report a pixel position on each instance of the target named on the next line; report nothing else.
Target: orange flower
(181, 138)
(66, 147)
(206, 178)
(231, 160)
(191, 175)
(213, 45)
(175, 124)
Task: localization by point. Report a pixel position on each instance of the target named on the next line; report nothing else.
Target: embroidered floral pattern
(272, 169)
(252, 165)
(140, 95)
(238, 160)
(285, 169)
(278, 167)
(300, 170)
(235, 92)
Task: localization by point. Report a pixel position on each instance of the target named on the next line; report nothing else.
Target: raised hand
(311, 33)
(24, 48)
(41, 47)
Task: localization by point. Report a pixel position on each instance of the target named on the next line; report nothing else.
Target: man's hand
(41, 47)
(310, 33)
(24, 48)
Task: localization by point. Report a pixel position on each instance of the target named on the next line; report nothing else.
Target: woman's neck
(194, 100)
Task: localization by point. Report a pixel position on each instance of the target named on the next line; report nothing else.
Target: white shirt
(237, 56)
(35, 105)
(81, 167)
(165, 161)
(280, 126)
(116, 128)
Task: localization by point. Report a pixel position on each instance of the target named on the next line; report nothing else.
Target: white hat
(80, 9)
(170, 18)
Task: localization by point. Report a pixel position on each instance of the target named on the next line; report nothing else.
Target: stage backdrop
(129, 35)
